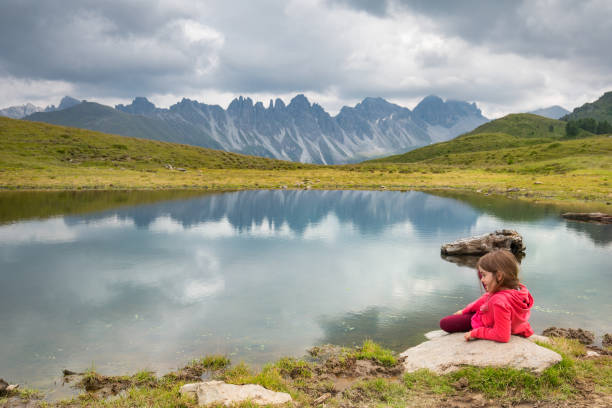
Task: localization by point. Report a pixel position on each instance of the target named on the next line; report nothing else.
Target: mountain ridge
(298, 131)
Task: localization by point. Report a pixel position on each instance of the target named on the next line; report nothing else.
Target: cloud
(507, 56)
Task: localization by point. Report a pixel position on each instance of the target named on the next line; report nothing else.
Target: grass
(305, 382)
(372, 351)
(41, 156)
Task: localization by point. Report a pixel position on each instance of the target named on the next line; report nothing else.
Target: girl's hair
(502, 261)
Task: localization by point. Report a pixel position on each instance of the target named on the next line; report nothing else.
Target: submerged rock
(218, 392)
(589, 217)
(482, 244)
(451, 352)
(583, 336)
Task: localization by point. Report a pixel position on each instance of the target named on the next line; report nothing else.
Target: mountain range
(299, 131)
(18, 112)
(552, 112)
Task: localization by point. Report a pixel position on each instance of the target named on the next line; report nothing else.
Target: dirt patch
(583, 336)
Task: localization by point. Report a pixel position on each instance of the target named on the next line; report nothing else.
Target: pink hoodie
(501, 314)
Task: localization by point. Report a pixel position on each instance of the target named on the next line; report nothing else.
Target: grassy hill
(33, 145)
(512, 131)
(599, 110)
(93, 116)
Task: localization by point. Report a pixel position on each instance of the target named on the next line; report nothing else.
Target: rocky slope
(299, 131)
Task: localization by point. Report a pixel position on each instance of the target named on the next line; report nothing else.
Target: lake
(124, 281)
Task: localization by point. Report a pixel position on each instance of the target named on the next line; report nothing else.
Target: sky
(507, 56)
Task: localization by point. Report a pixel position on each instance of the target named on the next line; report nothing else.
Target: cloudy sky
(507, 56)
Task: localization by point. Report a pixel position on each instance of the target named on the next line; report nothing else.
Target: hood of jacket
(520, 300)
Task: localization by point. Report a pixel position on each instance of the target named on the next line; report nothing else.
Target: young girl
(503, 310)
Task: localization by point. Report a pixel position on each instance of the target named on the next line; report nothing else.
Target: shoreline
(359, 376)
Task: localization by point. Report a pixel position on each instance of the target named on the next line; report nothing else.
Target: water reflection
(261, 274)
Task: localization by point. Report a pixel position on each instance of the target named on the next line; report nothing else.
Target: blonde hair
(504, 262)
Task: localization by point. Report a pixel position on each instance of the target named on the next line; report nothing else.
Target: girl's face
(488, 279)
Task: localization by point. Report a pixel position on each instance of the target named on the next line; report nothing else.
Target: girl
(504, 308)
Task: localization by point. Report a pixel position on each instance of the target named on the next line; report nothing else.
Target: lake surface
(126, 281)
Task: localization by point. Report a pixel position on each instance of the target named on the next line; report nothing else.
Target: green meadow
(518, 156)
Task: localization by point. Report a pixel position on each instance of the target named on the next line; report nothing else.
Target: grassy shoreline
(365, 376)
(586, 190)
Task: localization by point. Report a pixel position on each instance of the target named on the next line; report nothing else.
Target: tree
(571, 128)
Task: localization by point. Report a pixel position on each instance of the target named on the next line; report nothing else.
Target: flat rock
(218, 392)
(449, 353)
(482, 244)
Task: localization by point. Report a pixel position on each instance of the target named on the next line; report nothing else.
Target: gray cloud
(504, 55)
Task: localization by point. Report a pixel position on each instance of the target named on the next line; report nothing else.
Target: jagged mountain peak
(139, 106)
(299, 102)
(435, 111)
(68, 102)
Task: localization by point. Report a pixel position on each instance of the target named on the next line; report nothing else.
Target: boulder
(583, 336)
(482, 244)
(607, 340)
(449, 353)
(218, 392)
(589, 217)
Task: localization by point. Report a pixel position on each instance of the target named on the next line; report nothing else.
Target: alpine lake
(130, 280)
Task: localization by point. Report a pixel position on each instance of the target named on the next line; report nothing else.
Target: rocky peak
(68, 102)
(433, 110)
(139, 106)
(299, 102)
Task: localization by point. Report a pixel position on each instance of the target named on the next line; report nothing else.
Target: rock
(435, 334)
(180, 169)
(607, 340)
(3, 385)
(537, 182)
(583, 336)
(322, 399)
(538, 338)
(218, 392)
(449, 353)
(591, 353)
(482, 244)
(12, 387)
(513, 190)
(589, 217)
(461, 383)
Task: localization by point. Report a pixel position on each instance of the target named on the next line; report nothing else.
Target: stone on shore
(583, 336)
(218, 392)
(449, 353)
(607, 340)
(482, 244)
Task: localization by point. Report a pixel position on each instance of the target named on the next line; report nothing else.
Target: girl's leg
(457, 323)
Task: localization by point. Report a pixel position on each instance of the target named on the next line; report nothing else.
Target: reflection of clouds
(402, 230)
(220, 229)
(328, 229)
(55, 230)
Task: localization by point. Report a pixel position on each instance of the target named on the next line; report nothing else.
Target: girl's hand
(458, 312)
(467, 336)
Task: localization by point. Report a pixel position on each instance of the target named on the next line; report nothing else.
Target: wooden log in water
(589, 217)
(482, 244)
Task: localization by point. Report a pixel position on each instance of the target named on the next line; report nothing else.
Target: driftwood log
(482, 244)
(589, 217)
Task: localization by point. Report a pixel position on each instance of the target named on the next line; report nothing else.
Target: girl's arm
(501, 325)
(475, 305)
